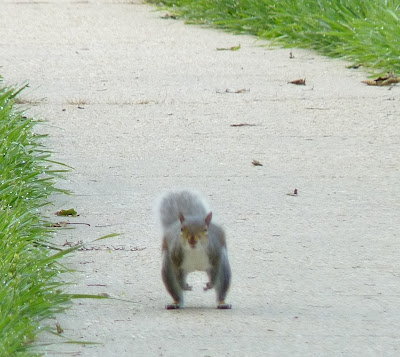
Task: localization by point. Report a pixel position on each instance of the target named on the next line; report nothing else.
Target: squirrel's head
(194, 230)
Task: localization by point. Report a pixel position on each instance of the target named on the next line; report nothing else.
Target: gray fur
(183, 202)
(175, 260)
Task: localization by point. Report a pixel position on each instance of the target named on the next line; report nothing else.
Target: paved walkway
(138, 104)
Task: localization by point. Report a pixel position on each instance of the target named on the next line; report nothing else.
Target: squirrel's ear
(208, 219)
(181, 217)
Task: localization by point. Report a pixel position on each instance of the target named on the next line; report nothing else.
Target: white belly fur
(195, 258)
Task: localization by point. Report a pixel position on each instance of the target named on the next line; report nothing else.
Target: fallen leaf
(72, 244)
(233, 48)
(64, 224)
(299, 82)
(294, 193)
(354, 66)
(59, 329)
(59, 224)
(169, 16)
(243, 124)
(243, 90)
(257, 163)
(67, 212)
(389, 79)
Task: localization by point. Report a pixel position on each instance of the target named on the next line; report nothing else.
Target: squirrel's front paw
(208, 287)
(187, 287)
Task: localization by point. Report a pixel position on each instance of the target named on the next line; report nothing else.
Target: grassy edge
(364, 32)
(31, 289)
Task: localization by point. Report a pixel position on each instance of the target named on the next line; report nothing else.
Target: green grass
(30, 289)
(365, 32)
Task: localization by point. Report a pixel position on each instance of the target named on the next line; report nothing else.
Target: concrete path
(138, 104)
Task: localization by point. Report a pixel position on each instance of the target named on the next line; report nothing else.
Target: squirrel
(191, 242)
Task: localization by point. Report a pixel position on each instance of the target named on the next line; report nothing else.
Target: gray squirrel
(191, 242)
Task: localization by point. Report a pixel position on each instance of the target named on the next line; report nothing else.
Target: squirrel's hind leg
(173, 306)
(170, 278)
(224, 306)
(222, 283)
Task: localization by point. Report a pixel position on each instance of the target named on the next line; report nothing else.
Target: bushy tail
(184, 202)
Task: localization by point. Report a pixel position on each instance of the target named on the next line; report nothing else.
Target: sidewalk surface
(137, 104)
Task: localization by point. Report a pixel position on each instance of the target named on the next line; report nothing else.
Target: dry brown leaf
(294, 193)
(233, 48)
(257, 163)
(243, 90)
(59, 224)
(67, 212)
(169, 16)
(299, 82)
(387, 80)
(243, 124)
(64, 224)
(227, 90)
(59, 329)
(355, 66)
